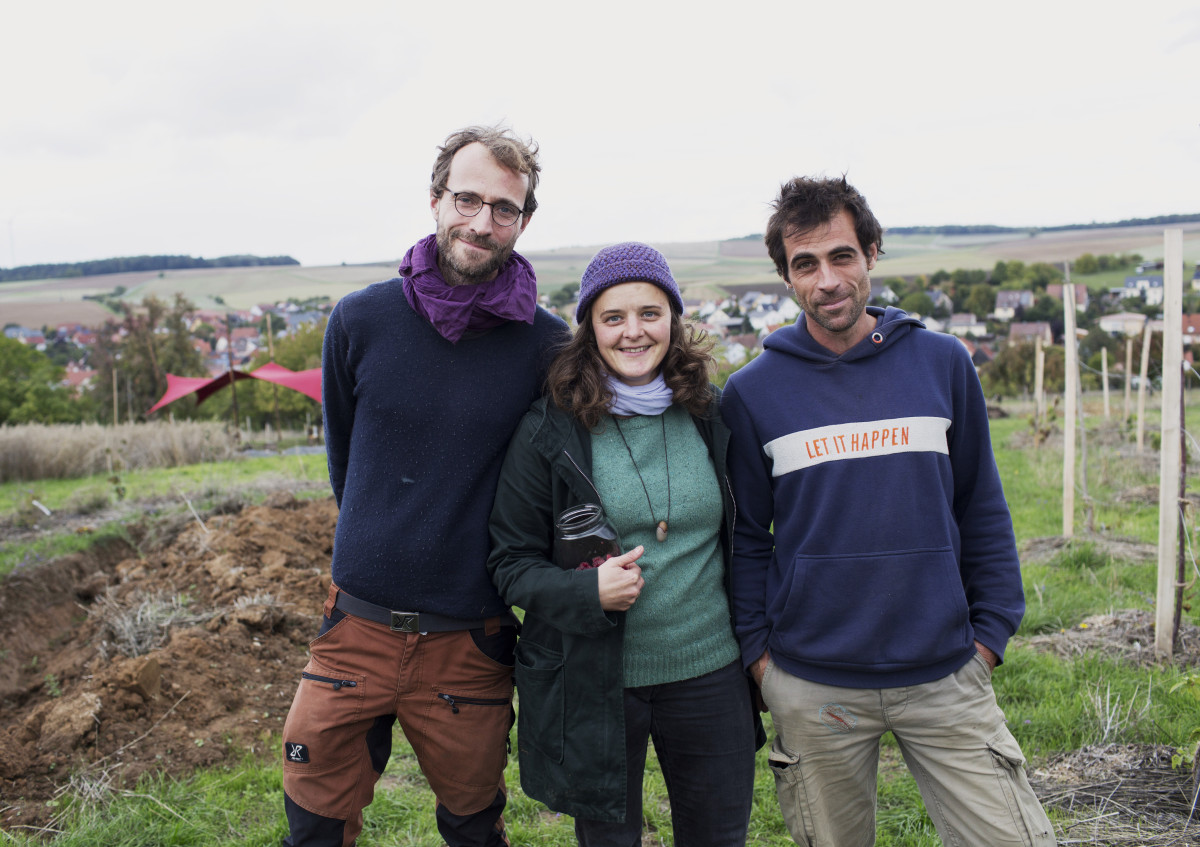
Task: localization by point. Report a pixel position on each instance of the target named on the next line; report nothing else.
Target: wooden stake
(1128, 375)
(274, 387)
(1168, 488)
(1141, 412)
(1070, 392)
(1181, 560)
(1104, 380)
(1089, 507)
(1039, 380)
(232, 377)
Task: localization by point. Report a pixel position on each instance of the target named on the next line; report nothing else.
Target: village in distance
(997, 291)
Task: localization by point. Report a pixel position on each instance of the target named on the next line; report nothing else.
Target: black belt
(414, 621)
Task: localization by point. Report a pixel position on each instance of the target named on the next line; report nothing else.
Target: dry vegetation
(1126, 634)
(1115, 793)
(1121, 794)
(34, 451)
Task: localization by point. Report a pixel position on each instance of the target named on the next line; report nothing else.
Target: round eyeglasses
(469, 205)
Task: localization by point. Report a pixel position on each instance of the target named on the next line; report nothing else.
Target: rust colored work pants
(451, 693)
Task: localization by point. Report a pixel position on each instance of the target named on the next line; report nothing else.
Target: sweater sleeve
(753, 541)
(990, 567)
(338, 399)
(522, 530)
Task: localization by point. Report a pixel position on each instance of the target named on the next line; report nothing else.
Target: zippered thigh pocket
(462, 743)
(327, 689)
(335, 682)
(455, 700)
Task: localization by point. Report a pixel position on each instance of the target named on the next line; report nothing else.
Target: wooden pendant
(661, 531)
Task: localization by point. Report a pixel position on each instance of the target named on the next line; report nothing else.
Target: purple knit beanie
(626, 262)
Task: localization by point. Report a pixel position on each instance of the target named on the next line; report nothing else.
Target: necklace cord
(660, 527)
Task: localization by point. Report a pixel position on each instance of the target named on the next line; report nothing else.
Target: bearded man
(875, 578)
(425, 377)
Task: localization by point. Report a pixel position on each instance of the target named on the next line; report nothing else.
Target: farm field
(701, 269)
(144, 679)
(924, 254)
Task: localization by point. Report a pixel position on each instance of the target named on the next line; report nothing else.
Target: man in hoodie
(875, 574)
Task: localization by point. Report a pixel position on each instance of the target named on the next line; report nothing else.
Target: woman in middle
(640, 646)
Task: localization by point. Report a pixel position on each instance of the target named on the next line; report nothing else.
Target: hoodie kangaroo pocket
(887, 610)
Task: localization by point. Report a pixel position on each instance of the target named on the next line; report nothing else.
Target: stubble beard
(457, 272)
(862, 293)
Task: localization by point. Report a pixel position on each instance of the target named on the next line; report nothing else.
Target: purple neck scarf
(457, 309)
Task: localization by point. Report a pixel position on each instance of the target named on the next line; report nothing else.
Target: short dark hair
(506, 148)
(575, 381)
(804, 203)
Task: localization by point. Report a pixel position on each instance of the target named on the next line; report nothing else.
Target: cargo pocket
(1027, 816)
(789, 787)
(321, 762)
(540, 700)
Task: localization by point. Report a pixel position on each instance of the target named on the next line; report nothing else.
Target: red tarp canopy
(306, 382)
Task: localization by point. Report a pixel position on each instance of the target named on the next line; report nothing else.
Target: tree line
(991, 229)
(133, 264)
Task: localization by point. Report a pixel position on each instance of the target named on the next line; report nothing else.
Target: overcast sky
(309, 129)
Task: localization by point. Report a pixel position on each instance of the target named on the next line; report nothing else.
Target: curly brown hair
(576, 380)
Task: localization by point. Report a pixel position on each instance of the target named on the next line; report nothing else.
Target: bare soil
(161, 657)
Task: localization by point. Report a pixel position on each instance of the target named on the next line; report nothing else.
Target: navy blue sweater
(416, 429)
(873, 544)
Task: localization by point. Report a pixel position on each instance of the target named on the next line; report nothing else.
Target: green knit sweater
(679, 628)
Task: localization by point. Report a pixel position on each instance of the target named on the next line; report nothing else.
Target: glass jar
(583, 538)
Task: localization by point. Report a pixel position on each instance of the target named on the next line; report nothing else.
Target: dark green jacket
(571, 719)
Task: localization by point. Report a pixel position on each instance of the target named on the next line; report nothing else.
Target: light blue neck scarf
(653, 398)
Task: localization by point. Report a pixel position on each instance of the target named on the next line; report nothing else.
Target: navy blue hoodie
(873, 545)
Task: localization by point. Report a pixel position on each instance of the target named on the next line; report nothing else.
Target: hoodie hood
(795, 340)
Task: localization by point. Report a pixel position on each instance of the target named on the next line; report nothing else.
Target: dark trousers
(703, 731)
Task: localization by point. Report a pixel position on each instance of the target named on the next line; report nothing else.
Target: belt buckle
(406, 622)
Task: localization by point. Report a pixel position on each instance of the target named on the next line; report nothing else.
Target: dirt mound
(117, 662)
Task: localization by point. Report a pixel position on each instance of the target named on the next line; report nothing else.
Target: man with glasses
(425, 377)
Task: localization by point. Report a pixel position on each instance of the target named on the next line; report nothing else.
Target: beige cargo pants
(952, 734)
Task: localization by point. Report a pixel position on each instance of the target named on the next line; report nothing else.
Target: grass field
(1055, 704)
